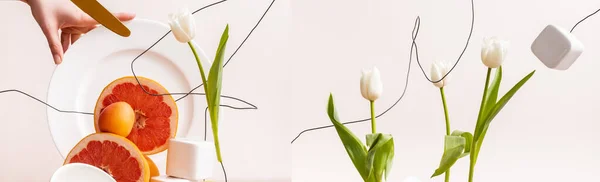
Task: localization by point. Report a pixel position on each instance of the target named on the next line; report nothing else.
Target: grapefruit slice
(155, 116)
(113, 154)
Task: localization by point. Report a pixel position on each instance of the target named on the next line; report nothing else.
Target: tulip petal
(436, 73)
(375, 86)
(364, 79)
(182, 25)
(493, 52)
(439, 69)
(447, 67)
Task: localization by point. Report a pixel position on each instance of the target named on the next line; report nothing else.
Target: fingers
(78, 30)
(125, 16)
(75, 37)
(65, 40)
(86, 20)
(54, 43)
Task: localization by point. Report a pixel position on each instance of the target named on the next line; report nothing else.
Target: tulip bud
(370, 84)
(183, 25)
(493, 52)
(438, 70)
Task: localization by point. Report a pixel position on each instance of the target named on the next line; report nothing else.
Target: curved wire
(415, 32)
(224, 173)
(583, 20)
(192, 90)
(39, 100)
(162, 37)
(225, 64)
(184, 94)
(231, 107)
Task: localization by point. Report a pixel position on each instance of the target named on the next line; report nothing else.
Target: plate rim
(50, 84)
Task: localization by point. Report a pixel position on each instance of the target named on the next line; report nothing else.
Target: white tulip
(438, 70)
(183, 25)
(370, 84)
(493, 52)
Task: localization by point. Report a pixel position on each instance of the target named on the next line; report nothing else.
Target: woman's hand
(63, 15)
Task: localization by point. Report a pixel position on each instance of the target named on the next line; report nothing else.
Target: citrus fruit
(117, 118)
(153, 168)
(114, 154)
(155, 116)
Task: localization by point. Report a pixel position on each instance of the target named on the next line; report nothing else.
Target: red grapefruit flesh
(155, 116)
(112, 153)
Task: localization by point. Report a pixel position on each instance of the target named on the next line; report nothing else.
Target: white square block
(556, 48)
(191, 159)
(170, 179)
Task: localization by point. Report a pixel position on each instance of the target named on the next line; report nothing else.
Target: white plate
(77, 172)
(100, 57)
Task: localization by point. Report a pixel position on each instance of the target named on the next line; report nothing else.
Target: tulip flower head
(493, 52)
(183, 25)
(370, 84)
(439, 69)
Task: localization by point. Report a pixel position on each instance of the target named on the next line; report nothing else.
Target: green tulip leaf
(492, 95)
(371, 139)
(380, 156)
(490, 98)
(468, 140)
(214, 89)
(215, 75)
(354, 147)
(457, 145)
(498, 106)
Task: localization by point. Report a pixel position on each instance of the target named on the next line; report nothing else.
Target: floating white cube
(556, 48)
(191, 159)
(170, 179)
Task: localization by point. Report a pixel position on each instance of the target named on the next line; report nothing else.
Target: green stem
(201, 69)
(217, 146)
(445, 111)
(447, 173)
(215, 131)
(485, 88)
(474, 148)
(471, 169)
(373, 126)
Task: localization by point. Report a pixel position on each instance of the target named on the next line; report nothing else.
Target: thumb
(54, 43)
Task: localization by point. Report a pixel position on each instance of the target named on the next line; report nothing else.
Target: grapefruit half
(114, 154)
(155, 116)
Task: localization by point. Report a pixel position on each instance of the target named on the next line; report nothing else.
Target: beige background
(252, 151)
(548, 132)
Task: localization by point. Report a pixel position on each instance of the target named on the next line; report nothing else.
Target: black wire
(415, 32)
(133, 72)
(583, 20)
(225, 64)
(224, 173)
(206, 115)
(184, 94)
(192, 90)
(39, 100)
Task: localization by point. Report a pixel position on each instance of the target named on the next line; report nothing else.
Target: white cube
(556, 48)
(191, 159)
(170, 179)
